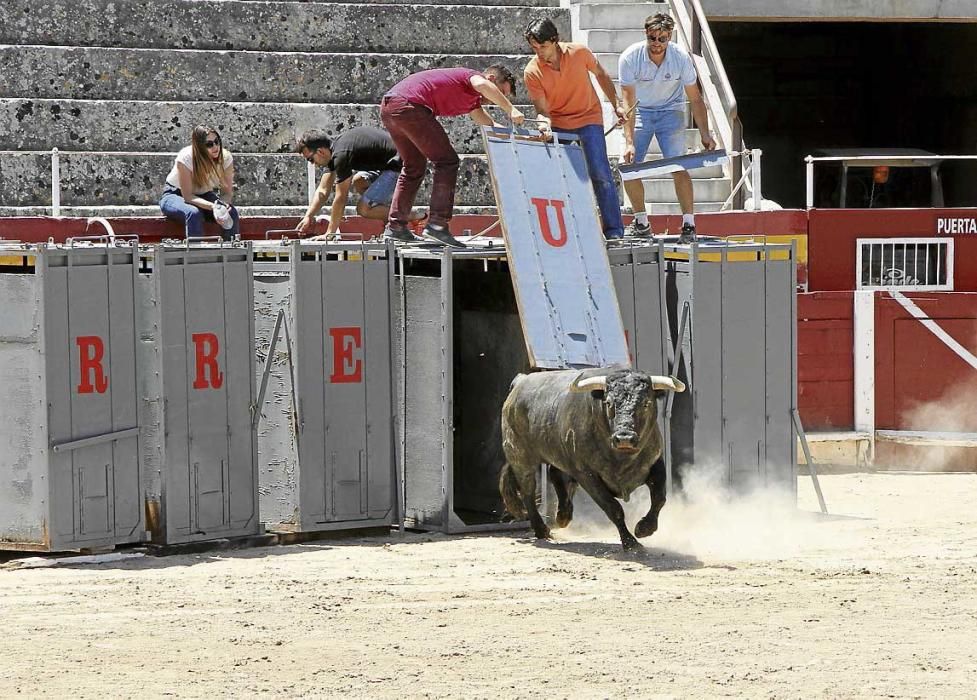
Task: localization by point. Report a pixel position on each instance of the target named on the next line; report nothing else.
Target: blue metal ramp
(557, 256)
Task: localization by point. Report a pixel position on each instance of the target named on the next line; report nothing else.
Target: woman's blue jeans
(601, 177)
(174, 207)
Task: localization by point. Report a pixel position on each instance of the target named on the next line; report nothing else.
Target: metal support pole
(310, 169)
(811, 467)
(809, 177)
(755, 155)
(55, 182)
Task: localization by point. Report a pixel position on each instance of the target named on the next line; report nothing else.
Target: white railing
(56, 156)
(750, 178)
(924, 161)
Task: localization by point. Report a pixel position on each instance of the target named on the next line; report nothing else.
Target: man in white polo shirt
(659, 75)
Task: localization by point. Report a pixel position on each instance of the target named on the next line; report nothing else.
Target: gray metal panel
(239, 389)
(744, 371)
(425, 481)
(781, 443)
(207, 404)
(342, 331)
(95, 490)
(557, 255)
(649, 330)
(623, 276)
(176, 477)
(706, 352)
(380, 491)
(344, 388)
(208, 386)
(310, 369)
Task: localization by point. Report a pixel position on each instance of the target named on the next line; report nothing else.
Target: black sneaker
(637, 230)
(441, 234)
(688, 234)
(398, 233)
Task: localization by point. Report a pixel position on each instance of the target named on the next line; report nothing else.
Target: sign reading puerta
(557, 257)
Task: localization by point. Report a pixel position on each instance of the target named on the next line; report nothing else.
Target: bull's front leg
(656, 485)
(610, 505)
(527, 491)
(564, 486)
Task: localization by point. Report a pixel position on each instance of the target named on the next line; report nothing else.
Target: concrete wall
(132, 76)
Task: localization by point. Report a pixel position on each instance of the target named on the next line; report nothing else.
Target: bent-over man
(409, 110)
(363, 159)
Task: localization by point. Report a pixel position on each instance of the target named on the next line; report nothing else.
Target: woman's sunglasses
(215, 142)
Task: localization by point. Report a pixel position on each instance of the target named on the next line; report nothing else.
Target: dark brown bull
(595, 427)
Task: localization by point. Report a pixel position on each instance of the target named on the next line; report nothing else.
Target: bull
(597, 428)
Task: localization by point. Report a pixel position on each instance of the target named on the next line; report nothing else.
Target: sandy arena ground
(744, 599)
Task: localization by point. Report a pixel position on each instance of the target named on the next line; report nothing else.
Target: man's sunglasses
(215, 142)
(659, 39)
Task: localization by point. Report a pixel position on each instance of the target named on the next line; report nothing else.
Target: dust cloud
(954, 412)
(707, 520)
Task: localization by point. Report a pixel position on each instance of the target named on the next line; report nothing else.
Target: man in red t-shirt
(409, 111)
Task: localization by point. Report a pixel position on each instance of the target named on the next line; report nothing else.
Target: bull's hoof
(543, 534)
(563, 519)
(631, 545)
(646, 527)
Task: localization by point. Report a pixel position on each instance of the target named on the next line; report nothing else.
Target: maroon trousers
(420, 138)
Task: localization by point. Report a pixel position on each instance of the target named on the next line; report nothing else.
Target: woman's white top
(185, 156)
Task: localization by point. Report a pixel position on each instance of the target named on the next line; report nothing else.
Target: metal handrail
(809, 162)
(57, 154)
(691, 19)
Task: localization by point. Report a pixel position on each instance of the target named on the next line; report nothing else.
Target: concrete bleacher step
(108, 179)
(304, 27)
(612, 40)
(706, 189)
(143, 125)
(615, 15)
(232, 76)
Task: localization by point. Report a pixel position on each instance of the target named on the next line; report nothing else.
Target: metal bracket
(94, 440)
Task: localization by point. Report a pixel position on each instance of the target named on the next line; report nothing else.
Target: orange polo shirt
(568, 91)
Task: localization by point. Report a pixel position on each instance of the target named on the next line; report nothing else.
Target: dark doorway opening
(816, 85)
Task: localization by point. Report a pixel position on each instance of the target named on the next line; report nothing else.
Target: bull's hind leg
(527, 490)
(610, 505)
(656, 485)
(564, 486)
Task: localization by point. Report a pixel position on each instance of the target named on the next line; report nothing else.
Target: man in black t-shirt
(363, 158)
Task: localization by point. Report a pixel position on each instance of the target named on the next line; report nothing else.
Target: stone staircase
(608, 27)
(117, 85)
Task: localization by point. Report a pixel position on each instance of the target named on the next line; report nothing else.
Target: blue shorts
(667, 125)
(381, 189)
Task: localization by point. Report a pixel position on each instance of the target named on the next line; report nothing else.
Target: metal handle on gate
(94, 440)
(126, 238)
(284, 232)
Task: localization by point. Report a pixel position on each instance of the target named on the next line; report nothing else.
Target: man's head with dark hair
(659, 22)
(315, 146)
(312, 140)
(541, 31)
(501, 76)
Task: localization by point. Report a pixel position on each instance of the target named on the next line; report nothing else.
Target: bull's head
(628, 399)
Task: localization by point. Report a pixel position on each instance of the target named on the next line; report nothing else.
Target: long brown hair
(203, 165)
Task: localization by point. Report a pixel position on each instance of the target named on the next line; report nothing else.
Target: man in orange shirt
(558, 81)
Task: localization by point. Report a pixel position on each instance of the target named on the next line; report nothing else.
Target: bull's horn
(590, 383)
(670, 383)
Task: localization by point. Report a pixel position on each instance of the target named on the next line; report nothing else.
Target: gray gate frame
(167, 531)
(450, 522)
(293, 250)
(691, 256)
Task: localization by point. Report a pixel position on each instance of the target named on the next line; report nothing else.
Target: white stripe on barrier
(930, 325)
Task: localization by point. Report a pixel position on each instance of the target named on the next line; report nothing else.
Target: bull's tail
(509, 488)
